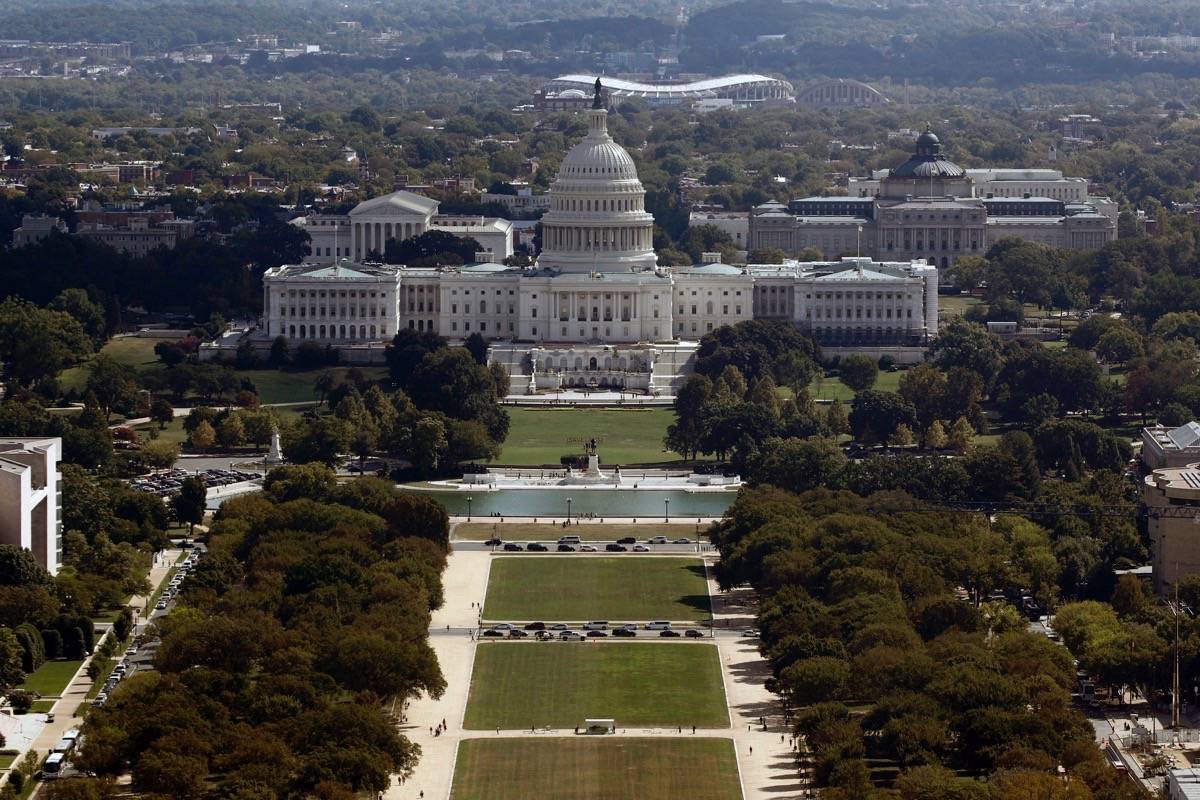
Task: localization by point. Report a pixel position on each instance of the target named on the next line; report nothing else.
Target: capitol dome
(597, 220)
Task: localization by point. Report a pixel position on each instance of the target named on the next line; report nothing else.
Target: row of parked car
(181, 573)
(571, 544)
(598, 629)
(168, 482)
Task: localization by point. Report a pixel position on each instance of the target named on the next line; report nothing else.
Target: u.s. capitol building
(596, 309)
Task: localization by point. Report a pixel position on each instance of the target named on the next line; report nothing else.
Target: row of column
(955, 239)
(578, 306)
(623, 238)
(373, 236)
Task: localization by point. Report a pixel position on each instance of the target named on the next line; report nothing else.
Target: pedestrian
(693, 730)
(444, 725)
(431, 731)
(751, 749)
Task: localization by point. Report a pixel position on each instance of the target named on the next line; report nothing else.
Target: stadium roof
(705, 88)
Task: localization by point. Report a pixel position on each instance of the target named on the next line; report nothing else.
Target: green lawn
(51, 678)
(175, 434)
(516, 685)
(585, 587)
(42, 706)
(7, 759)
(625, 436)
(274, 386)
(596, 768)
(592, 532)
(833, 389)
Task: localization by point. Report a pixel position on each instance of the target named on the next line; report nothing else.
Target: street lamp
(568, 511)
(666, 509)
(468, 509)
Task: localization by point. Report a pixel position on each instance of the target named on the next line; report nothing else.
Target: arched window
(292, 331)
(303, 334)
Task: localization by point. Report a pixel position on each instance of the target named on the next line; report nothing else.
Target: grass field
(51, 678)
(597, 532)
(834, 389)
(596, 769)
(516, 685)
(574, 588)
(625, 436)
(274, 386)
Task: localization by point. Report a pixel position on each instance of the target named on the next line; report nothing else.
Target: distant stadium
(738, 89)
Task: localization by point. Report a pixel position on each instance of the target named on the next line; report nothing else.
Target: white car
(657, 540)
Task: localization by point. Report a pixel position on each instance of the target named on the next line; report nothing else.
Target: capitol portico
(596, 310)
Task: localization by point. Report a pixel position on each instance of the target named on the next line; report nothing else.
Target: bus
(54, 766)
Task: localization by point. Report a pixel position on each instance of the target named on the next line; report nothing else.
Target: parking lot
(168, 482)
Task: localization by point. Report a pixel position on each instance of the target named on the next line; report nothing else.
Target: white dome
(598, 159)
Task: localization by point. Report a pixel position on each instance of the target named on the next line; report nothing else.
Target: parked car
(627, 540)
(537, 547)
(615, 548)
(513, 547)
(566, 548)
(692, 633)
(517, 633)
(683, 540)
(597, 635)
(625, 632)
(641, 548)
(493, 543)
(504, 626)
(657, 540)
(536, 626)
(596, 625)
(669, 634)
(543, 636)
(560, 626)
(493, 633)
(658, 625)
(568, 636)
(587, 548)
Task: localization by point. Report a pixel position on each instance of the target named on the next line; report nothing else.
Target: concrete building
(1171, 447)
(1172, 498)
(31, 499)
(735, 223)
(930, 208)
(400, 215)
(35, 227)
(139, 236)
(595, 309)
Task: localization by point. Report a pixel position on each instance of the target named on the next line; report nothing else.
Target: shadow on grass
(696, 601)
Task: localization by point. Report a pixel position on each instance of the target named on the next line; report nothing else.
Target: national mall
(596, 309)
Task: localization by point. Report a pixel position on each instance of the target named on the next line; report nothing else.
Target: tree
(836, 418)
(935, 436)
(1119, 345)
(279, 354)
(230, 432)
(162, 412)
(901, 437)
(477, 346)
(766, 255)
(799, 464)
(406, 351)
(114, 384)
(11, 674)
(90, 315)
(875, 416)
(858, 372)
(961, 434)
(37, 344)
(965, 344)
(258, 425)
(160, 454)
(190, 503)
(429, 444)
(203, 436)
